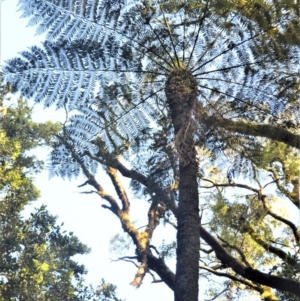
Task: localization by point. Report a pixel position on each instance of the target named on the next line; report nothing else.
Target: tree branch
(234, 278)
(259, 288)
(292, 196)
(263, 199)
(268, 247)
(278, 217)
(206, 251)
(135, 175)
(91, 179)
(218, 295)
(254, 129)
(244, 259)
(141, 240)
(249, 273)
(112, 172)
(140, 273)
(126, 258)
(158, 265)
(232, 184)
(132, 174)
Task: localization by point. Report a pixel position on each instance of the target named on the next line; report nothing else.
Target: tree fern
(130, 69)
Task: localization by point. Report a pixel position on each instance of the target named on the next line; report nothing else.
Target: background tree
(174, 79)
(248, 219)
(36, 261)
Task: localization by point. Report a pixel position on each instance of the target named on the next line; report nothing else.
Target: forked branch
(249, 273)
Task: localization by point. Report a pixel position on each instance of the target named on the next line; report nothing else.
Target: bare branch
(232, 184)
(206, 251)
(112, 172)
(292, 196)
(167, 220)
(278, 217)
(85, 183)
(232, 277)
(249, 273)
(154, 248)
(125, 258)
(135, 175)
(218, 295)
(157, 281)
(158, 265)
(241, 253)
(88, 192)
(91, 179)
(140, 273)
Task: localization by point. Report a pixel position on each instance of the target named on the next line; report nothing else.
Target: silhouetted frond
(63, 163)
(109, 60)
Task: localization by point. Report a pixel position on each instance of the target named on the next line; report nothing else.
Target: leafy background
(94, 225)
(62, 197)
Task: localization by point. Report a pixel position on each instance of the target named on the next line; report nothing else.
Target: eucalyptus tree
(154, 82)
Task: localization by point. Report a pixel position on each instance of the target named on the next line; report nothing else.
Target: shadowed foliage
(190, 92)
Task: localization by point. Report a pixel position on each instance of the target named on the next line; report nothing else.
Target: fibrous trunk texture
(181, 93)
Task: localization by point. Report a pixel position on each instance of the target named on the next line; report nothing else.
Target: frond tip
(53, 74)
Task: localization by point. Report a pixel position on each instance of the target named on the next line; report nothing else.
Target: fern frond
(54, 74)
(71, 18)
(107, 62)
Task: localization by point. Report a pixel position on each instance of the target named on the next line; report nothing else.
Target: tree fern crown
(108, 62)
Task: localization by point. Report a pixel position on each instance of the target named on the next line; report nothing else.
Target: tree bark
(181, 93)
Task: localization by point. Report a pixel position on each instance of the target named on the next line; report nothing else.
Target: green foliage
(231, 219)
(167, 251)
(36, 261)
(106, 292)
(242, 58)
(120, 243)
(284, 159)
(18, 136)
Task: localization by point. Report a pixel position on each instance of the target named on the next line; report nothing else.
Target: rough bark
(181, 93)
(158, 265)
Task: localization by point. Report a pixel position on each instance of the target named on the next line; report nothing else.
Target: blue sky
(80, 213)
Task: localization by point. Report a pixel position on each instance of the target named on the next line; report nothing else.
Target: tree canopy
(36, 261)
(201, 98)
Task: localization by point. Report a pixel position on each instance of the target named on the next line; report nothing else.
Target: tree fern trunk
(181, 92)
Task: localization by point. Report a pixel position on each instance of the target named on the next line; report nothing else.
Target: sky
(81, 213)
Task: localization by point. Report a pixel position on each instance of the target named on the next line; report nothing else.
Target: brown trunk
(181, 92)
